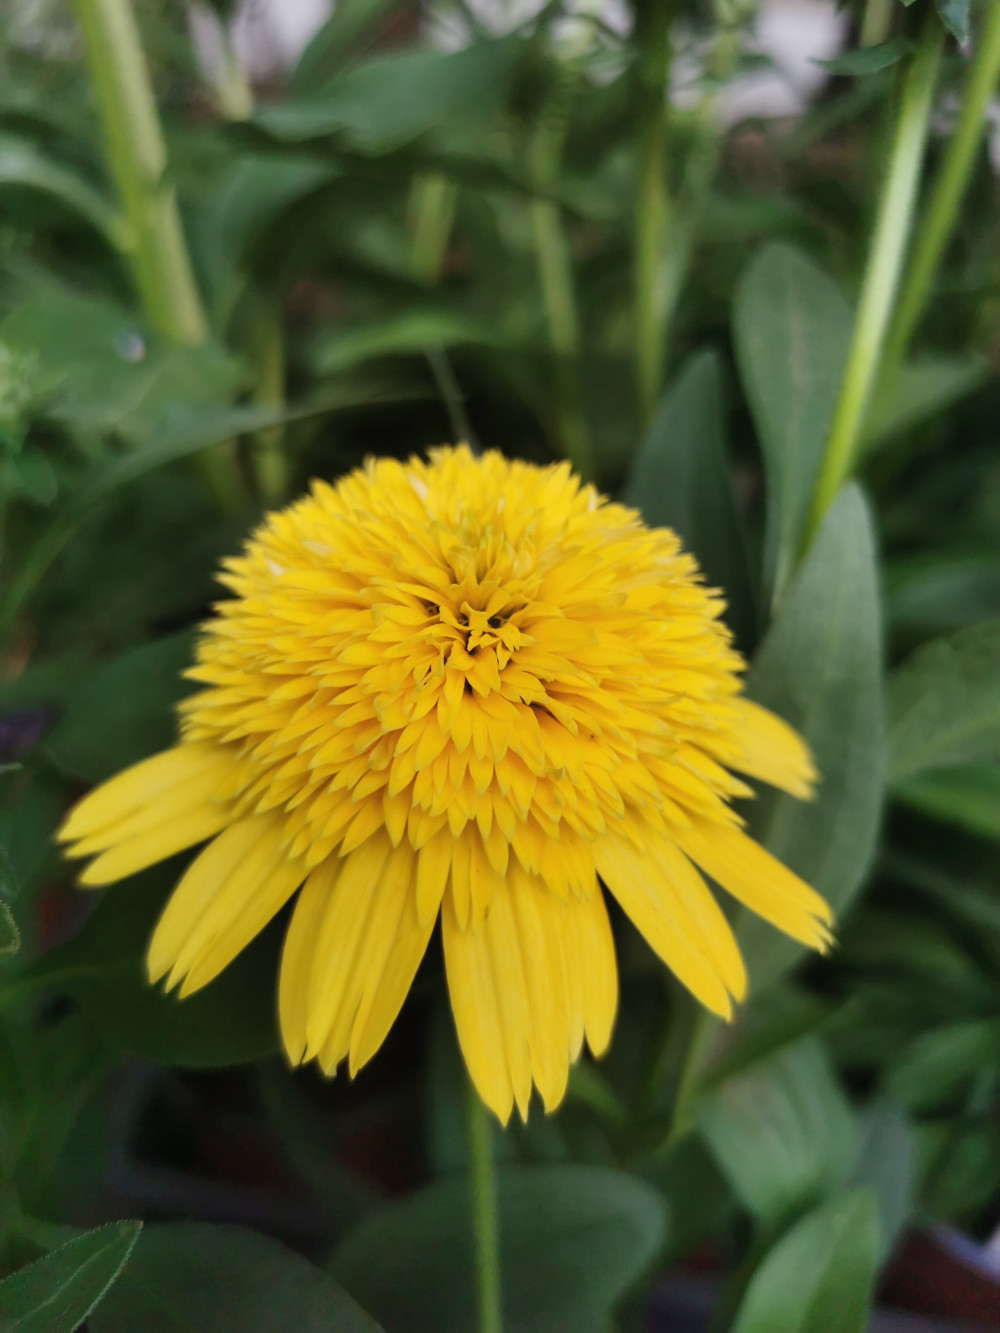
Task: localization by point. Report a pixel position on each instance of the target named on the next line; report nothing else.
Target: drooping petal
(772, 750)
(591, 972)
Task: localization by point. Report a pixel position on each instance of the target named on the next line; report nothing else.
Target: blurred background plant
(721, 255)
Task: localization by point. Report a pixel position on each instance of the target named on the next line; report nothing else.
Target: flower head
(471, 689)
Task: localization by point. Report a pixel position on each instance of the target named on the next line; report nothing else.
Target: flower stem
(876, 22)
(881, 279)
(484, 1212)
(652, 295)
(137, 158)
(434, 199)
(947, 194)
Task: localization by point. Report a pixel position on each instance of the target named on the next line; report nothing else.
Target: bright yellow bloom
(463, 688)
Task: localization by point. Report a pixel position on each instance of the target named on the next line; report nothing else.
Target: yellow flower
(462, 688)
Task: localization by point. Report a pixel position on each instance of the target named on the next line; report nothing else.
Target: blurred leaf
(924, 388)
(10, 936)
(57, 1292)
(781, 1132)
(820, 668)
(391, 100)
(191, 1277)
(231, 1021)
(29, 476)
(967, 795)
(936, 1067)
(885, 1164)
(867, 59)
(9, 886)
(23, 163)
(944, 702)
(336, 41)
(573, 1240)
(937, 593)
(975, 904)
(414, 331)
(680, 478)
(955, 17)
(125, 712)
(101, 372)
(820, 1276)
(791, 325)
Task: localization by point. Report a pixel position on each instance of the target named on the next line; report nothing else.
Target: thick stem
(935, 227)
(881, 279)
(652, 282)
(877, 22)
(485, 1219)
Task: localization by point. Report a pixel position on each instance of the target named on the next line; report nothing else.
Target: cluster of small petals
(463, 687)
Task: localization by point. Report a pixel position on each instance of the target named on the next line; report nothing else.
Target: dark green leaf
(940, 1063)
(23, 163)
(967, 795)
(10, 936)
(955, 17)
(939, 593)
(231, 1021)
(923, 388)
(820, 1275)
(391, 100)
(29, 476)
(867, 59)
(792, 325)
(680, 479)
(944, 702)
(885, 1165)
(820, 668)
(190, 1277)
(573, 1239)
(781, 1132)
(125, 713)
(411, 332)
(57, 1293)
(336, 40)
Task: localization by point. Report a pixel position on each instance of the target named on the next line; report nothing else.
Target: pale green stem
(434, 200)
(878, 290)
(555, 277)
(652, 214)
(935, 226)
(485, 1219)
(269, 462)
(137, 158)
(877, 21)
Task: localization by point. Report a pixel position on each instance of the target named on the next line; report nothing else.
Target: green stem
(935, 227)
(270, 465)
(881, 279)
(555, 277)
(137, 158)
(485, 1220)
(877, 21)
(434, 200)
(652, 281)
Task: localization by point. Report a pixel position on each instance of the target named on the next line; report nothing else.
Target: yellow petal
(539, 922)
(591, 972)
(155, 845)
(297, 957)
(772, 750)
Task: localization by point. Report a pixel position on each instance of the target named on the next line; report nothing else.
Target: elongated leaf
(390, 100)
(10, 936)
(944, 702)
(57, 1293)
(967, 795)
(230, 1022)
(936, 1066)
(867, 59)
(820, 668)
(190, 1277)
(335, 41)
(819, 1277)
(680, 479)
(125, 712)
(923, 388)
(781, 1132)
(885, 1165)
(23, 163)
(414, 331)
(955, 17)
(792, 325)
(573, 1239)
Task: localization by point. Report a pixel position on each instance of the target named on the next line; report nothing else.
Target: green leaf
(573, 1240)
(125, 712)
(820, 1276)
(967, 795)
(792, 326)
(22, 163)
(955, 17)
(229, 1022)
(333, 44)
(29, 476)
(10, 936)
(867, 59)
(412, 332)
(391, 100)
(935, 1068)
(940, 593)
(922, 389)
(57, 1292)
(190, 1277)
(680, 478)
(820, 668)
(886, 1165)
(944, 702)
(781, 1132)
